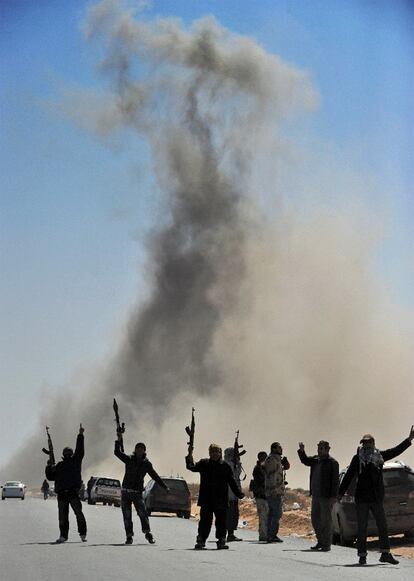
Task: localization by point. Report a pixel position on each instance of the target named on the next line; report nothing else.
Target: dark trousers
(232, 519)
(206, 520)
(129, 498)
(377, 509)
(66, 498)
(274, 516)
(322, 520)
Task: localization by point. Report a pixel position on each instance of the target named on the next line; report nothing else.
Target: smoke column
(273, 323)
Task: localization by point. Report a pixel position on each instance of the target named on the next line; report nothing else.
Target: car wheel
(187, 515)
(409, 535)
(22, 497)
(91, 502)
(179, 514)
(117, 504)
(3, 498)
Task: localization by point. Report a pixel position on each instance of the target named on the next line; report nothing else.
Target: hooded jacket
(67, 472)
(135, 470)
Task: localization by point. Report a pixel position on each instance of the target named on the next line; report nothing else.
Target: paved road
(27, 551)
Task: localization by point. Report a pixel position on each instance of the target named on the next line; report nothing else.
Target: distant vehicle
(13, 489)
(105, 490)
(398, 506)
(178, 500)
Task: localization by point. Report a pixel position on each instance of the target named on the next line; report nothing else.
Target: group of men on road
(220, 491)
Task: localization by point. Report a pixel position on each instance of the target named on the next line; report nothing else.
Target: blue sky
(73, 211)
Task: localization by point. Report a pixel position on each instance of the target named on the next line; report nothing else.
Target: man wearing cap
(137, 466)
(216, 477)
(68, 480)
(366, 466)
(324, 481)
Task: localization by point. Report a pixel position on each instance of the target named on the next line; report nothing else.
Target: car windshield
(398, 478)
(108, 482)
(13, 483)
(176, 485)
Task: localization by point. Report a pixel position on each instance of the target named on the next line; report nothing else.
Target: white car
(13, 489)
(105, 490)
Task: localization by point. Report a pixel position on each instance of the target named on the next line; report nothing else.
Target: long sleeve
(155, 476)
(50, 472)
(80, 447)
(121, 455)
(335, 479)
(190, 465)
(305, 459)
(233, 484)
(396, 451)
(350, 473)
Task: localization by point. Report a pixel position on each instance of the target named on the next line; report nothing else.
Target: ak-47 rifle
(49, 451)
(237, 453)
(120, 427)
(190, 432)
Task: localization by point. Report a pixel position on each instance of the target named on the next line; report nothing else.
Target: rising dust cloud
(266, 321)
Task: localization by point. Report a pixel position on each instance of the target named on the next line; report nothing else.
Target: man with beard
(366, 466)
(324, 481)
(68, 480)
(137, 466)
(215, 479)
(274, 468)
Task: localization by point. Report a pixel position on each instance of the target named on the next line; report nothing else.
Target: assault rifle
(120, 427)
(236, 455)
(49, 451)
(190, 432)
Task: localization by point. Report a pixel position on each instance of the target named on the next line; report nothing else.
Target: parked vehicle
(105, 490)
(178, 500)
(13, 489)
(398, 506)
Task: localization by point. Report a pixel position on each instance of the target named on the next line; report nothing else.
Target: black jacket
(329, 475)
(67, 472)
(215, 479)
(135, 470)
(257, 484)
(370, 484)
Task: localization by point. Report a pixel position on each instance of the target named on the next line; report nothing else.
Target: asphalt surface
(29, 528)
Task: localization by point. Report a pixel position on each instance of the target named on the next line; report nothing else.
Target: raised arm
(397, 450)
(121, 455)
(191, 465)
(80, 444)
(303, 457)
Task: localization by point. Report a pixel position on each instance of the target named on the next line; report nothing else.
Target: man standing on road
(366, 466)
(274, 468)
(45, 489)
(68, 480)
(136, 467)
(216, 477)
(257, 487)
(232, 519)
(324, 482)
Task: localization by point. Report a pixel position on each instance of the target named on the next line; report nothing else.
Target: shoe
(61, 540)
(325, 549)
(83, 538)
(262, 540)
(277, 539)
(362, 560)
(388, 558)
(200, 545)
(128, 541)
(150, 538)
(221, 544)
(316, 547)
(233, 538)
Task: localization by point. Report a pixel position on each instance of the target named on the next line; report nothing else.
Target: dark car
(177, 500)
(398, 506)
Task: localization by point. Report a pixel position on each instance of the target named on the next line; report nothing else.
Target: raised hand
(81, 429)
(301, 446)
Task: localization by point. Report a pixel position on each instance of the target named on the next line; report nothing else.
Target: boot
(61, 540)
(221, 544)
(150, 538)
(362, 560)
(388, 558)
(232, 538)
(128, 541)
(200, 544)
(316, 547)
